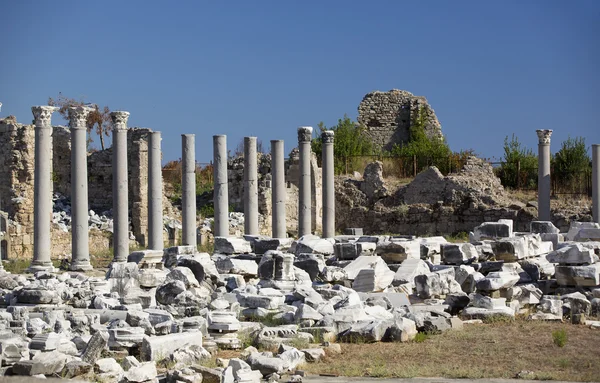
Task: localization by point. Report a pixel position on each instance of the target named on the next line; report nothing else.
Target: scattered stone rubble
(152, 319)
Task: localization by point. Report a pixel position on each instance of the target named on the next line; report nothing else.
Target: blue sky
(263, 68)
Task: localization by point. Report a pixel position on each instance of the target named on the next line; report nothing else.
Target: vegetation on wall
(349, 141)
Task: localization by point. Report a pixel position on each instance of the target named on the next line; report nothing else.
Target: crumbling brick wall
(388, 117)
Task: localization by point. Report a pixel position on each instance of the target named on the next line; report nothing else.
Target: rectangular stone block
(160, 347)
(578, 275)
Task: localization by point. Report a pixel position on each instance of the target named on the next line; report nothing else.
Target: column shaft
(155, 208)
(596, 182)
(42, 194)
(250, 187)
(120, 188)
(544, 185)
(188, 186)
(221, 197)
(278, 192)
(80, 248)
(304, 200)
(327, 166)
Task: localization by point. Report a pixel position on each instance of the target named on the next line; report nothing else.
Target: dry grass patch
(496, 350)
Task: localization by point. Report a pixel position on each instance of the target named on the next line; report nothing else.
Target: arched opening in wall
(4, 250)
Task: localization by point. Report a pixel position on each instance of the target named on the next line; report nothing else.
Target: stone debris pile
(163, 314)
(61, 215)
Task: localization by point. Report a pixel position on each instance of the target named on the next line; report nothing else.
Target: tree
(98, 118)
(572, 160)
(519, 164)
(349, 140)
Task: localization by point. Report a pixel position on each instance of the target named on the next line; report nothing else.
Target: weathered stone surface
(95, 346)
(493, 230)
(396, 251)
(232, 245)
(436, 284)
(458, 253)
(573, 254)
(157, 347)
(497, 280)
(142, 373)
(578, 275)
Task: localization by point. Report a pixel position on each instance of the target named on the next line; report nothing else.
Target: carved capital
(119, 119)
(78, 117)
(43, 115)
(327, 137)
(544, 136)
(304, 133)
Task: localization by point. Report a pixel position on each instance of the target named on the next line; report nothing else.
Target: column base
(41, 266)
(81, 266)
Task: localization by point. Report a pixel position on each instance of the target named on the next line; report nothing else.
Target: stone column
(328, 184)
(221, 196)
(188, 187)
(42, 185)
(80, 247)
(278, 192)
(596, 182)
(544, 185)
(304, 202)
(155, 206)
(250, 187)
(120, 189)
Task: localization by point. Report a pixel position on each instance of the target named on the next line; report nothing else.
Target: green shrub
(349, 140)
(559, 337)
(571, 164)
(519, 165)
(421, 337)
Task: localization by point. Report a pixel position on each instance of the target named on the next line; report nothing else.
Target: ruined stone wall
(17, 147)
(388, 117)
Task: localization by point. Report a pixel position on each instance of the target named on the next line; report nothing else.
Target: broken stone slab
(538, 268)
(142, 373)
(485, 302)
(578, 275)
(396, 251)
(37, 296)
(149, 278)
(572, 254)
(497, 280)
(368, 280)
(233, 265)
(458, 253)
(313, 244)
(223, 321)
(312, 264)
(493, 230)
(147, 258)
(275, 265)
(401, 330)
(261, 245)
(436, 284)
(333, 274)
(159, 347)
(481, 313)
(95, 346)
(45, 363)
(108, 366)
(510, 249)
(45, 342)
(368, 262)
(231, 245)
(581, 231)
(267, 365)
(125, 337)
(13, 349)
(292, 356)
(543, 227)
(576, 303)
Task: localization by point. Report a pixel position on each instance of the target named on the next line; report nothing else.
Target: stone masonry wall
(17, 147)
(388, 117)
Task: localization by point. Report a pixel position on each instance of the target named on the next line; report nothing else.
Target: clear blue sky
(263, 68)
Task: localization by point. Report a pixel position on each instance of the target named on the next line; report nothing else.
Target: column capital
(43, 114)
(544, 136)
(327, 136)
(304, 133)
(78, 116)
(119, 119)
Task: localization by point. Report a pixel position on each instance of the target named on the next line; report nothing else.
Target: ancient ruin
(158, 313)
(388, 117)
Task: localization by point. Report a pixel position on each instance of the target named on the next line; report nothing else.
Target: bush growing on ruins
(349, 140)
(559, 337)
(435, 150)
(98, 118)
(519, 164)
(571, 160)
